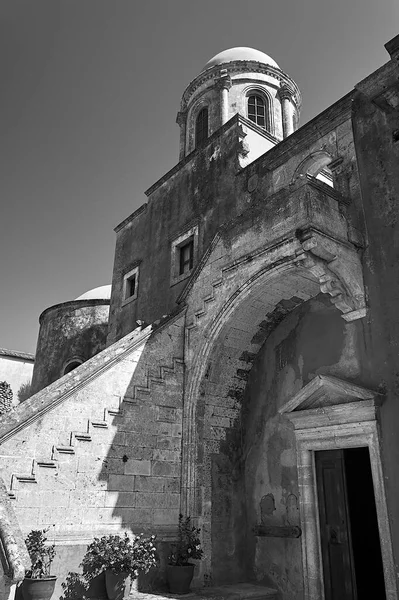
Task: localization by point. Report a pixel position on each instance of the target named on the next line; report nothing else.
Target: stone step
(237, 591)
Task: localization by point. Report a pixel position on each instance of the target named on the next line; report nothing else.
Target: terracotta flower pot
(117, 585)
(38, 589)
(179, 578)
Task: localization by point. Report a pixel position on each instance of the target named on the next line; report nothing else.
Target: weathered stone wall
(313, 339)
(100, 451)
(74, 330)
(200, 191)
(377, 155)
(209, 188)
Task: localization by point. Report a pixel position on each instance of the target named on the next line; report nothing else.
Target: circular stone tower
(238, 80)
(70, 333)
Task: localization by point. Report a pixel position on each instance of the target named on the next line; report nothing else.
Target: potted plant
(188, 547)
(38, 584)
(121, 559)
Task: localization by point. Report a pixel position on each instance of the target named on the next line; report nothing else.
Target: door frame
(333, 424)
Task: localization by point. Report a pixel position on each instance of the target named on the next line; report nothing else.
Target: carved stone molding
(339, 272)
(181, 118)
(224, 82)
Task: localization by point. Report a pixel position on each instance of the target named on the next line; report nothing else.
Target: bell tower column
(181, 120)
(224, 84)
(287, 111)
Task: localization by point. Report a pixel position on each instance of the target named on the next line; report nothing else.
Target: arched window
(201, 127)
(257, 110)
(71, 366)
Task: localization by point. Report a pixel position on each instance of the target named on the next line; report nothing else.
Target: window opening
(257, 110)
(186, 257)
(201, 127)
(131, 286)
(71, 366)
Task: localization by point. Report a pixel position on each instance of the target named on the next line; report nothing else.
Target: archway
(219, 372)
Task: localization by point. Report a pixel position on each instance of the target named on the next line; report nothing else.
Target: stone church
(243, 366)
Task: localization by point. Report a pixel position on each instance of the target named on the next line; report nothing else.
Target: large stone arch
(256, 271)
(224, 362)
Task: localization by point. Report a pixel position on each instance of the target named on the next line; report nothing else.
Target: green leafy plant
(119, 555)
(41, 554)
(188, 545)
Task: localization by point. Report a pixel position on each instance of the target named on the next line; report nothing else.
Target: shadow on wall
(141, 471)
(254, 474)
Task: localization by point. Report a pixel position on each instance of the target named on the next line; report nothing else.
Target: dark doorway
(348, 526)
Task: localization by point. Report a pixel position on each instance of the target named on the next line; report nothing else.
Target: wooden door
(336, 546)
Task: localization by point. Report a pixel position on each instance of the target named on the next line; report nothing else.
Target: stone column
(224, 84)
(181, 120)
(287, 111)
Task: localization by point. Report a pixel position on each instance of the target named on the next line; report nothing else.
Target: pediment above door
(328, 400)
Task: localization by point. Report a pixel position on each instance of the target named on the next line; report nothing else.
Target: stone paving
(239, 591)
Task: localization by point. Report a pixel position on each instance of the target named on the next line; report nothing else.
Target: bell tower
(238, 80)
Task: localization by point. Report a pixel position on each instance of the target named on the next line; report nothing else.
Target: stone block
(121, 483)
(134, 518)
(137, 467)
(120, 499)
(168, 443)
(162, 500)
(167, 455)
(149, 484)
(172, 485)
(165, 469)
(166, 516)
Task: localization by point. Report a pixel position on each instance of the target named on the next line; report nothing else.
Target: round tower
(70, 333)
(238, 80)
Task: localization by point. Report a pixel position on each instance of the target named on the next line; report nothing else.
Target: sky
(89, 94)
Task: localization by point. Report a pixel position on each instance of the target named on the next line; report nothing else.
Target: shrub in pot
(38, 584)
(179, 570)
(121, 559)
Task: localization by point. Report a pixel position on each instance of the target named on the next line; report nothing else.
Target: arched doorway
(261, 334)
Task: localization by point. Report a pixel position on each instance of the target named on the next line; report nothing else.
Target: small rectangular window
(130, 285)
(184, 254)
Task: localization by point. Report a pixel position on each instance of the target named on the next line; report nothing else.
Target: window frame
(127, 278)
(199, 143)
(268, 101)
(189, 236)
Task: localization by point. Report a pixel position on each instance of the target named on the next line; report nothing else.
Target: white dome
(99, 293)
(233, 54)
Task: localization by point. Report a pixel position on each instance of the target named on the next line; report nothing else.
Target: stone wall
(377, 151)
(99, 451)
(72, 331)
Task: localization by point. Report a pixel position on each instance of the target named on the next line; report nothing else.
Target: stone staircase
(51, 464)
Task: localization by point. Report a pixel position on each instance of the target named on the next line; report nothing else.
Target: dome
(99, 293)
(240, 54)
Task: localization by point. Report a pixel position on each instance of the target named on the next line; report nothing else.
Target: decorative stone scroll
(338, 270)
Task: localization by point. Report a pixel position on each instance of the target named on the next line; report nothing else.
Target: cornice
(306, 135)
(233, 121)
(75, 304)
(130, 218)
(241, 66)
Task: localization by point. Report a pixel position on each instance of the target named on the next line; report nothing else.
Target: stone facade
(227, 373)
